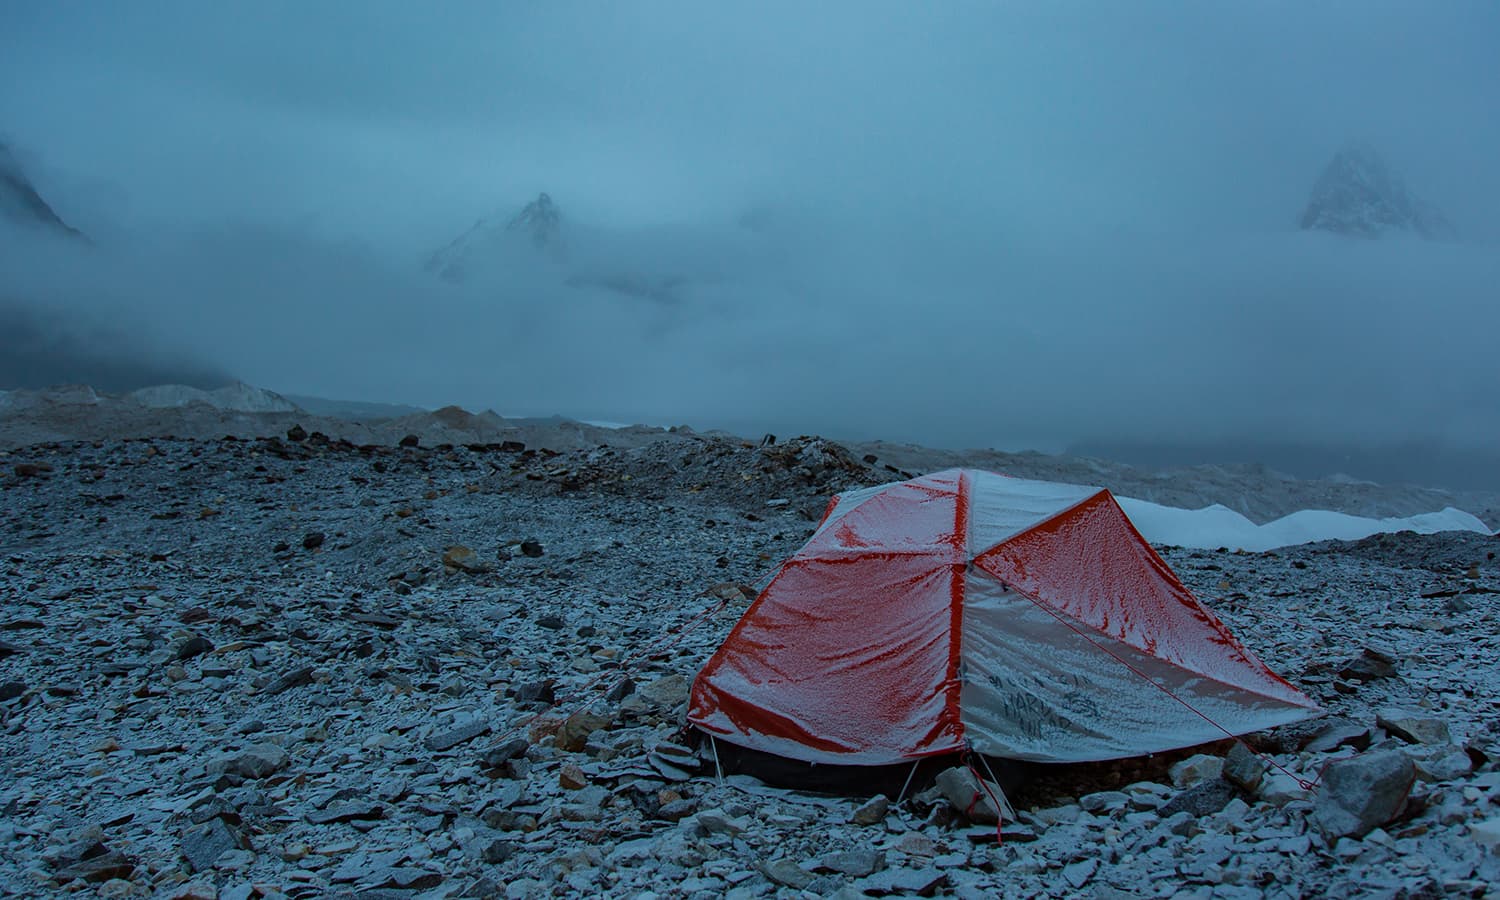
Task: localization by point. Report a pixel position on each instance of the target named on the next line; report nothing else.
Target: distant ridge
(79, 412)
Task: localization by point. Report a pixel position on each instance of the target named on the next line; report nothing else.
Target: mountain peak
(1358, 195)
(20, 201)
(540, 221)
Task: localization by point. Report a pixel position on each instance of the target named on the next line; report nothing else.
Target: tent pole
(909, 776)
(1004, 800)
(718, 769)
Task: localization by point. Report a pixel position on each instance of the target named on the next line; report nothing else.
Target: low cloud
(972, 225)
(1013, 343)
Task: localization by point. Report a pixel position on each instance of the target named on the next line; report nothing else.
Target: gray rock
(500, 754)
(1413, 728)
(86, 845)
(1340, 733)
(447, 740)
(1359, 794)
(856, 863)
(464, 559)
(872, 811)
(196, 645)
(242, 891)
(1373, 663)
(676, 810)
(348, 812)
(1194, 769)
(1486, 833)
(574, 734)
(786, 872)
(1244, 769)
(255, 761)
(202, 845)
(922, 882)
(1078, 874)
(716, 821)
(1439, 763)
(1203, 799)
(974, 799)
(1280, 789)
(1102, 801)
(403, 878)
(98, 869)
(667, 692)
(290, 679)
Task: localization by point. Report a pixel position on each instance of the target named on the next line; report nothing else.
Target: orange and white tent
(968, 610)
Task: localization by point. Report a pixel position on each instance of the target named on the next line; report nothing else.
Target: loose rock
(1362, 793)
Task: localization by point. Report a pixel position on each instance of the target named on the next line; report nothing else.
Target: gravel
(197, 701)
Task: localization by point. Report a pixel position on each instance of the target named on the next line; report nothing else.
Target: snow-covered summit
(237, 397)
(540, 220)
(1358, 195)
(539, 224)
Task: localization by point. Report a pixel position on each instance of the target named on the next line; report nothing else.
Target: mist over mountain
(22, 204)
(1358, 195)
(39, 348)
(537, 227)
(660, 263)
(1415, 462)
(1082, 229)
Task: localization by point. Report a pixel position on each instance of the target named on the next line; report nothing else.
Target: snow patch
(1218, 526)
(237, 397)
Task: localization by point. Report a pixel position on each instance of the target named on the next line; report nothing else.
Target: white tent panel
(1001, 507)
(1035, 689)
(846, 502)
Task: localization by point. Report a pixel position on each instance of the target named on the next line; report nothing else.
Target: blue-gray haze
(1012, 225)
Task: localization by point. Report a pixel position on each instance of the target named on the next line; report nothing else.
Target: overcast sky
(992, 224)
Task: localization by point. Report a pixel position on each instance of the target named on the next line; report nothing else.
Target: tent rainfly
(966, 610)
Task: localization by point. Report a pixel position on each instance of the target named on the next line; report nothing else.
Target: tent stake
(909, 776)
(718, 769)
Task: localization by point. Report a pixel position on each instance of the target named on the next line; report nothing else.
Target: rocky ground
(69, 413)
(302, 668)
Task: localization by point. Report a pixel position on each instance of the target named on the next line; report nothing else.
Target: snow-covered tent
(967, 610)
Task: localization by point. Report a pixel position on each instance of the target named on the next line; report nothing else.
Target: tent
(966, 610)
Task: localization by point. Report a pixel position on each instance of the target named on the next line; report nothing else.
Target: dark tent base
(1028, 783)
(793, 774)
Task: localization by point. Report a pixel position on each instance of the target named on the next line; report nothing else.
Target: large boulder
(1363, 793)
(975, 799)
